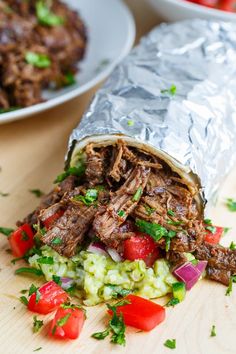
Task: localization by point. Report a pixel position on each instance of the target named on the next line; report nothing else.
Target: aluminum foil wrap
(197, 124)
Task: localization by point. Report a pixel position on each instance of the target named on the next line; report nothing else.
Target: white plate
(177, 10)
(111, 34)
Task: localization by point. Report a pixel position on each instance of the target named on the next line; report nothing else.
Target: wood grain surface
(31, 154)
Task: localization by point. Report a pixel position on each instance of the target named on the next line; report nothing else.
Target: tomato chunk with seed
(47, 298)
(50, 221)
(141, 246)
(67, 323)
(214, 235)
(21, 240)
(141, 313)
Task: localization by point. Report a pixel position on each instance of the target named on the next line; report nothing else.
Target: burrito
(127, 214)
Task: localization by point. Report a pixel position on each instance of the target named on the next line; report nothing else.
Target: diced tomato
(141, 313)
(214, 238)
(47, 299)
(141, 246)
(67, 323)
(21, 240)
(49, 221)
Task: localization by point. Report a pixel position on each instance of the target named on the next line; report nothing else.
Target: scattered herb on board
(6, 231)
(37, 192)
(34, 271)
(171, 91)
(213, 331)
(37, 349)
(231, 204)
(2, 194)
(230, 287)
(46, 17)
(116, 326)
(38, 60)
(24, 300)
(170, 343)
(37, 324)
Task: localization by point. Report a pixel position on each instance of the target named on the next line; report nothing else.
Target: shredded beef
(22, 32)
(108, 220)
(220, 275)
(94, 166)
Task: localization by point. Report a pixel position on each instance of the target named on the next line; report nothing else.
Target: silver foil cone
(176, 91)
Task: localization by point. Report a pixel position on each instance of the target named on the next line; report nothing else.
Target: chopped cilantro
(61, 322)
(29, 270)
(118, 291)
(175, 223)
(90, 197)
(210, 228)
(56, 241)
(32, 289)
(121, 213)
(230, 287)
(137, 194)
(46, 16)
(24, 300)
(149, 210)
(232, 246)
(213, 331)
(170, 212)
(2, 194)
(156, 231)
(37, 349)
(116, 325)
(69, 79)
(130, 123)
(173, 302)
(207, 221)
(24, 291)
(171, 91)
(38, 60)
(75, 171)
(57, 279)
(37, 192)
(6, 231)
(45, 260)
(231, 204)
(170, 343)
(37, 324)
(194, 261)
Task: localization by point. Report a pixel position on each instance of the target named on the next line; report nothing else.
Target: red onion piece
(97, 248)
(115, 256)
(188, 273)
(201, 266)
(66, 283)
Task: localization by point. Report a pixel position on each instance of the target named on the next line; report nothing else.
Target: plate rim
(57, 101)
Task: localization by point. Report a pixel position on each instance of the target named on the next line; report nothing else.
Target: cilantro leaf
(137, 194)
(56, 241)
(37, 324)
(156, 231)
(45, 260)
(207, 221)
(101, 335)
(29, 270)
(121, 213)
(173, 302)
(170, 343)
(37, 349)
(24, 300)
(231, 204)
(232, 246)
(38, 60)
(213, 331)
(170, 212)
(69, 79)
(57, 279)
(230, 287)
(46, 16)
(118, 291)
(6, 231)
(90, 197)
(37, 192)
(74, 171)
(210, 228)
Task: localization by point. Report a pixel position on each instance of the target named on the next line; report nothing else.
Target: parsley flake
(170, 343)
(213, 331)
(37, 324)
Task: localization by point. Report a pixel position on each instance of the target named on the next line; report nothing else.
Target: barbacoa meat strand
(108, 220)
(131, 184)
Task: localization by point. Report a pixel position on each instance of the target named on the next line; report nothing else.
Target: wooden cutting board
(31, 155)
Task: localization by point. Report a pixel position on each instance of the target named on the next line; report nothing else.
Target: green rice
(96, 275)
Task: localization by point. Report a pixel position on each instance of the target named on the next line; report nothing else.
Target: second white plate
(111, 34)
